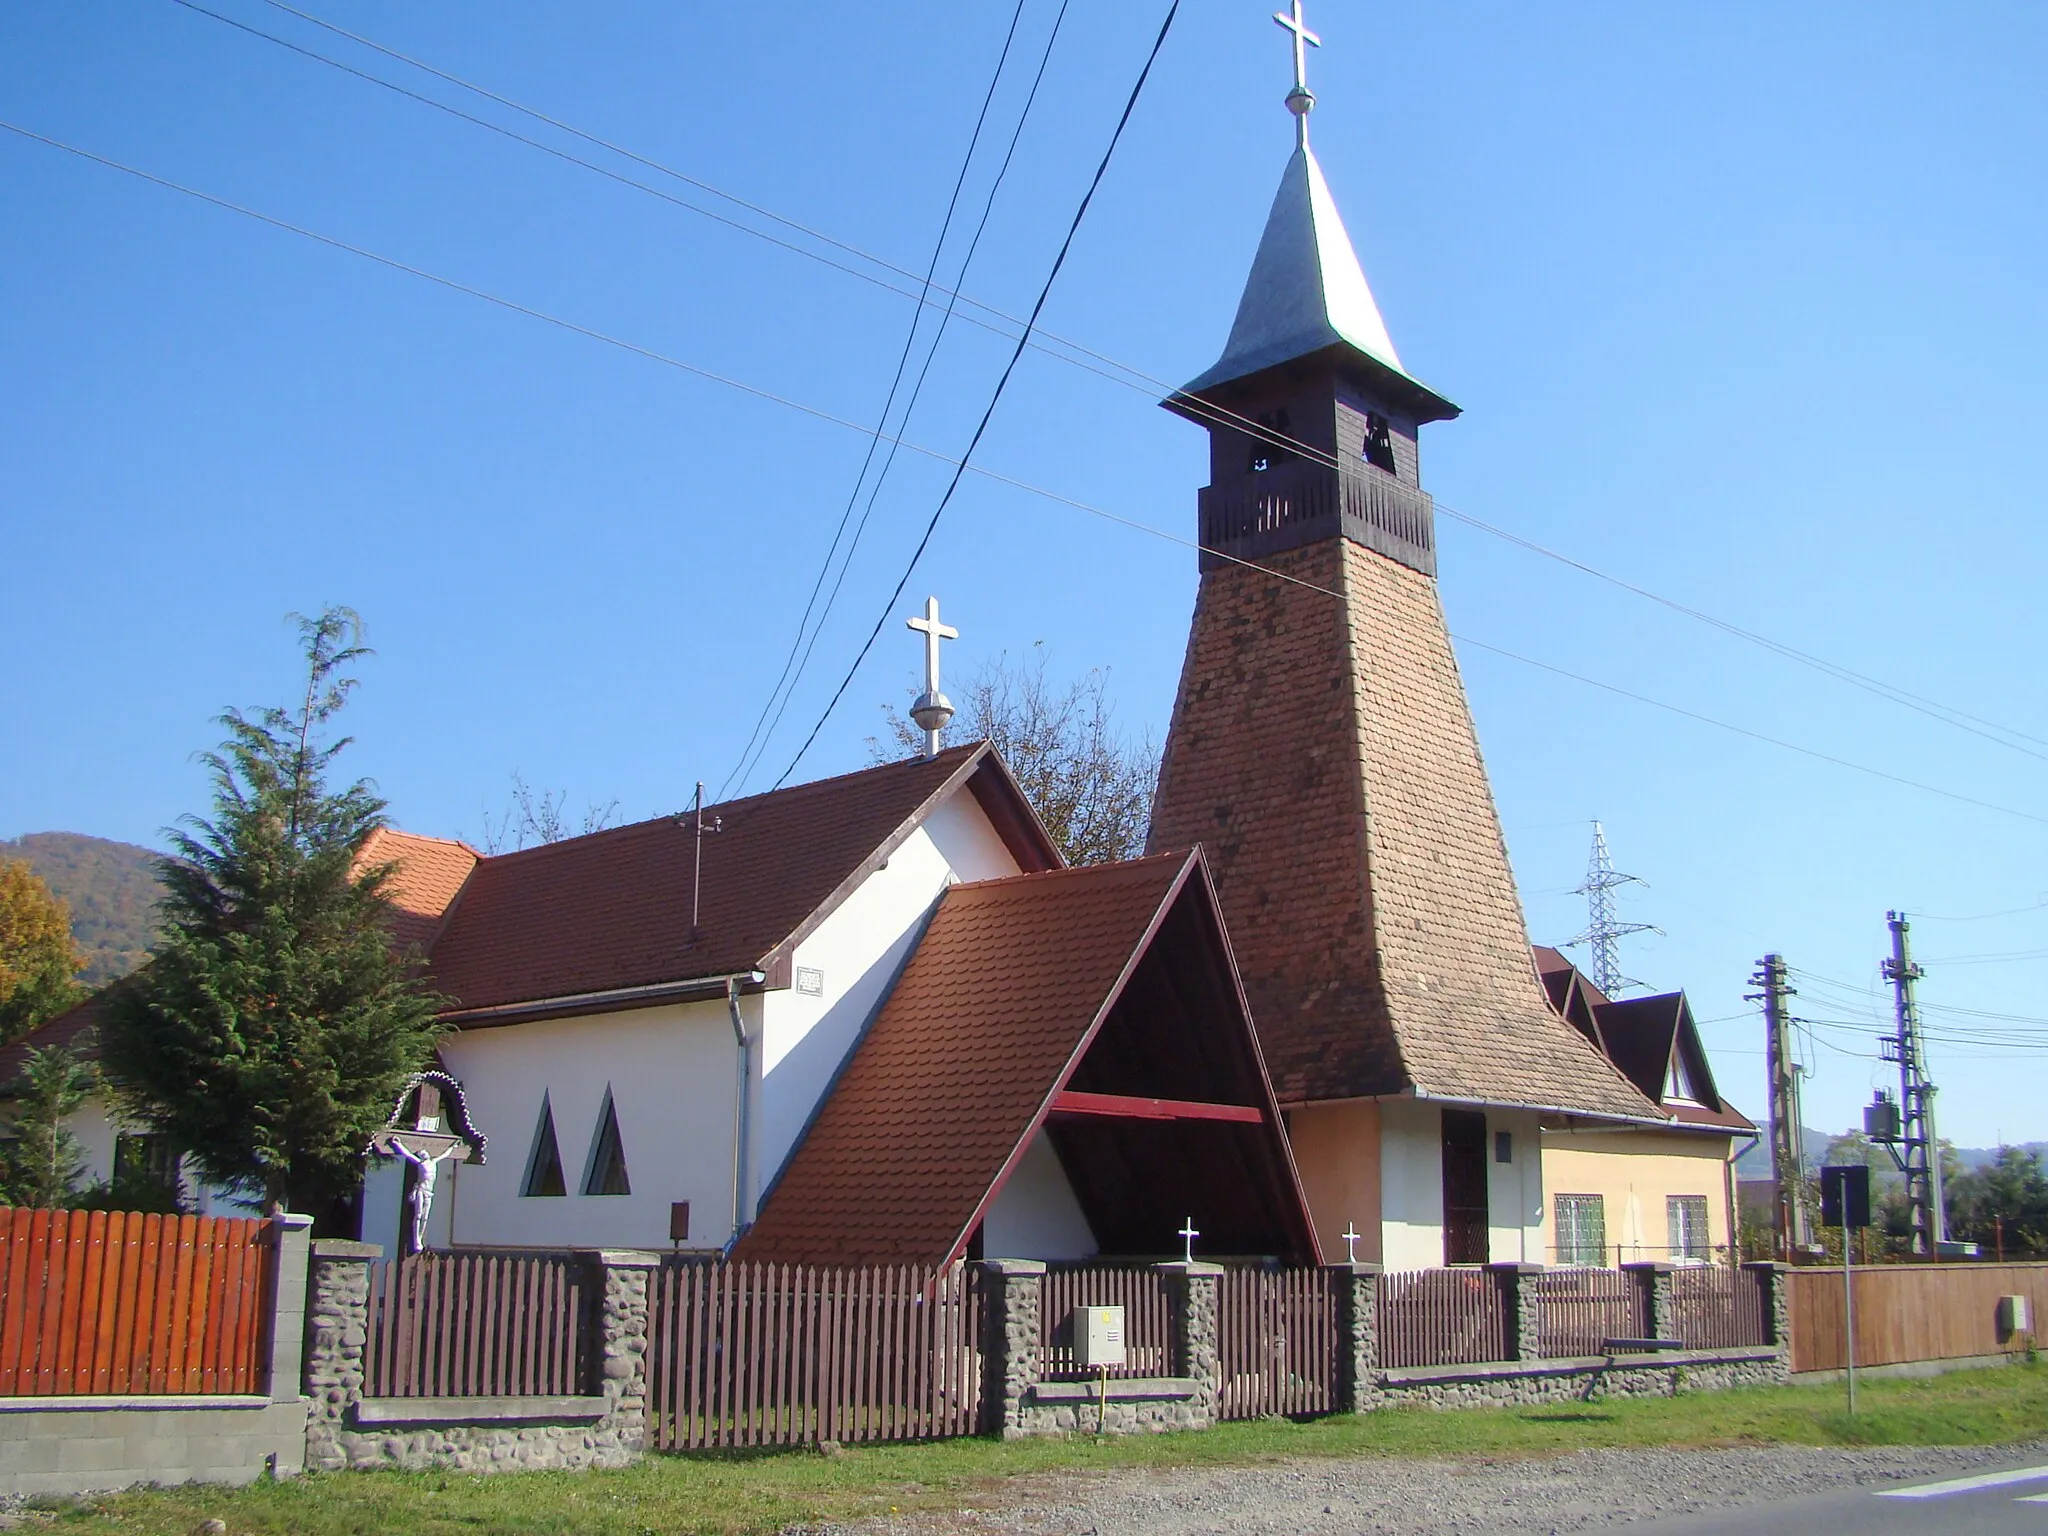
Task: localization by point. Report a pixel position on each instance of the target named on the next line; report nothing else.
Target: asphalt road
(2010, 1501)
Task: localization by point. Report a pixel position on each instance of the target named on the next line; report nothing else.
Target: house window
(146, 1160)
(1581, 1231)
(1687, 1215)
(544, 1162)
(1379, 442)
(1503, 1146)
(607, 1172)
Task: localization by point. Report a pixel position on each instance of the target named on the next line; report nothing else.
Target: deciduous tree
(39, 963)
(275, 1026)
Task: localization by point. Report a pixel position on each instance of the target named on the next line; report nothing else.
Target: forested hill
(112, 891)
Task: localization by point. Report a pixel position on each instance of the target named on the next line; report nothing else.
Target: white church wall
(1514, 1189)
(384, 1209)
(670, 1071)
(1035, 1215)
(96, 1128)
(1411, 1184)
(856, 954)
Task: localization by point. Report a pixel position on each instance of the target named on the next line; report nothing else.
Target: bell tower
(1321, 746)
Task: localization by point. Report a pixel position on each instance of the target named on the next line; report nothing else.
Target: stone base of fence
(604, 1427)
(1517, 1383)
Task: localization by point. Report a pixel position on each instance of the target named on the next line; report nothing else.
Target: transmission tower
(1604, 928)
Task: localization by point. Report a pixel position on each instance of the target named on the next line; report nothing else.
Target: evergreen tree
(2004, 1204)
(40, 1161)
(276, 1024)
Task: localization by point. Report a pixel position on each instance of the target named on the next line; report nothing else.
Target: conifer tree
(40, 1160)
(275, 1025)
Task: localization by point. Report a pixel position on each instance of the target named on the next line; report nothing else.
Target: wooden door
(1465, 1217)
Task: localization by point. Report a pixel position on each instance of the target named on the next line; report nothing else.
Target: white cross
(1303, 40)
(1351, 1235)
(1189, 1234)
(932, 709)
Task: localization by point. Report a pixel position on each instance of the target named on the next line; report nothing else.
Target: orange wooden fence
(1907, 1312)
(117, 1304)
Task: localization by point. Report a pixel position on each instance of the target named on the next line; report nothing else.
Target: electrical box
(1881, 1119)
(1098, 1337)
(2013, 1316)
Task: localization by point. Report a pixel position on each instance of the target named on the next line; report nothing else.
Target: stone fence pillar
(1357, 1288)
(1521, 1309)
(1774, 1290)
(1012, 1304)
(1192, 1302)
(337, 1329)
(1654, 1276)
(291, 1257)
(623, 1277)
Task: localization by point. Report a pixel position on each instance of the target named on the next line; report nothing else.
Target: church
(875, 1018)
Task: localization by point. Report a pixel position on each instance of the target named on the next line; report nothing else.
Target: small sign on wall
(810, 981)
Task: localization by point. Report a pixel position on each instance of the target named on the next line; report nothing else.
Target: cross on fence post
(1189, 1234)
(1351, 1235)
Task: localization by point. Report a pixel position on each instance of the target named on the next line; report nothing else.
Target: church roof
(1004, 1004)
(605, 919)
(1307, 292)
(427, 874)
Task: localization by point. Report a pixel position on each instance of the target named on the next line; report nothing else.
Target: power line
(917, 390)
(959, 464)
(1136, 378)
(789, 662)
(996, 395)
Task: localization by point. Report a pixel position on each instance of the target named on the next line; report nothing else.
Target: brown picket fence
(1715, 1307)
(116, 1303)
(477, 1324)
(1440, 1317)
(1276, 1343)
(784, 1354)
(1581, 1309)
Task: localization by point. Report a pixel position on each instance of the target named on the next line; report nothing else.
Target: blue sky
(1742, 303)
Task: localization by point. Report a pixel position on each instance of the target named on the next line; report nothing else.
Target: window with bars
(1687, 1215)
(1582, 1230)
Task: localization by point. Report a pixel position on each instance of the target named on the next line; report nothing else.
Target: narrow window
(544, 1162)
(607, 1175)
(1503, 1146)
(1687, 1217)
(1581, 1231)
(1379, 442)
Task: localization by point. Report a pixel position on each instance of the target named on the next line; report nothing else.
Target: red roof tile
(427, 875)
(986, 1023)
(611, 911)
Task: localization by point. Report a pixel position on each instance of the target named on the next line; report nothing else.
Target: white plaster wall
(671, 1074)
(1411, 1184)
(1514, 1190)
(860, 949)
(384, 1211)
(1035, 1216)
(95, 1126)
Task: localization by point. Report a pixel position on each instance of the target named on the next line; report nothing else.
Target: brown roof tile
(985, 1024)
(1324, 754)
(611, 911)
(427, 875)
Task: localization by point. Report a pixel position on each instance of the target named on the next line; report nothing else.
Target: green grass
(742, 1493)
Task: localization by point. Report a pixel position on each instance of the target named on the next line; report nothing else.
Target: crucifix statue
(428, 1141)
(932, 709)
(1301, 100)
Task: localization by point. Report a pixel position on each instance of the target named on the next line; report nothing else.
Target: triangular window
(607, 1175)
(1679, 1084)
(544, 1162)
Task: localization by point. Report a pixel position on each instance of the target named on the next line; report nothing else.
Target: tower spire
(1301, 100)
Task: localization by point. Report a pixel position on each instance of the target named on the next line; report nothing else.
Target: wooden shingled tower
(1321, 748)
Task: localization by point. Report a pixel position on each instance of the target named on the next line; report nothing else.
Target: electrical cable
(995, 476)
(1044, 293)
(1952, 715)
(888, 404)
(916, 392)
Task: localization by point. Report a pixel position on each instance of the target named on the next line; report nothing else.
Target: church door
(1465, 1187)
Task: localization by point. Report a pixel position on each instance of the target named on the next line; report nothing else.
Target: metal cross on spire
(1301, 100)
(932, 709)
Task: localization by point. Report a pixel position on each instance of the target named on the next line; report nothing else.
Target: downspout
(742, 1126)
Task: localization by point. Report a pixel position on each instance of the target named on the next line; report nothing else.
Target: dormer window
(1379, 442)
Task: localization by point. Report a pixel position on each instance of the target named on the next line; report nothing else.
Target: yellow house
(1617, 1194)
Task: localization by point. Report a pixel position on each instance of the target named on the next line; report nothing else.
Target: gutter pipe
(742, 1128)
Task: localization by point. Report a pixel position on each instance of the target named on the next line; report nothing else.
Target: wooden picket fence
(1579, 1310)
(1440, 1317)
(1276, 1343)
(477, 1324)
(1715, 1307)
(1148, 1318)
(783, 1354)
(114, 1303)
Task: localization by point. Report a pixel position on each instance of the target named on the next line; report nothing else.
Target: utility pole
(1918, 1152)
(1788, 1154)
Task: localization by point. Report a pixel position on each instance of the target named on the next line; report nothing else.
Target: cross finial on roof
(932, 709)
(1188, 1236)
(1351, 1235)
(1301, 100)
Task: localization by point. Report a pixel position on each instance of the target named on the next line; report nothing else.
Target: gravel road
(1380, 1496)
